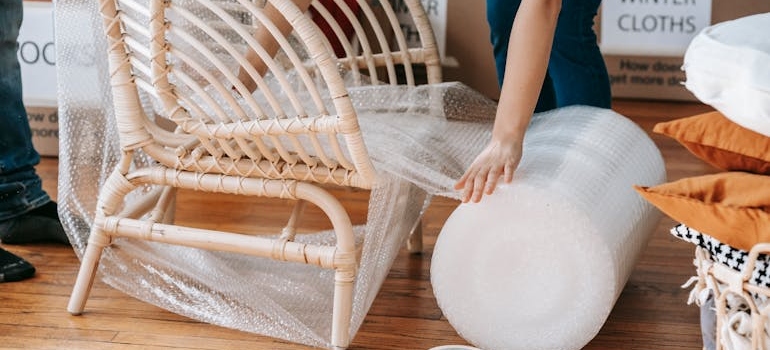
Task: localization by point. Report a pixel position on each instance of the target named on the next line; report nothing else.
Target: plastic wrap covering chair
(373, 45)
(296, 134)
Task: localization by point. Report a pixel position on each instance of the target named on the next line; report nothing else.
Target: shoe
(39, 225)
(14, 268)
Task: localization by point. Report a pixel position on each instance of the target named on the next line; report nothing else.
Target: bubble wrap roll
(540, 263)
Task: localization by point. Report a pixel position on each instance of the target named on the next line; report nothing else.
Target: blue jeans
(20, 186)
(576, 70)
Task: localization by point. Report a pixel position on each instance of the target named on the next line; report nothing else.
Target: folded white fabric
(728, 67)
(737, 332)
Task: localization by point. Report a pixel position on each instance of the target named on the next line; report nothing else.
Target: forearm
(527, 61)
(526, 64)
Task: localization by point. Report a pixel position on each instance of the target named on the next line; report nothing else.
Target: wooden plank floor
(651, 313)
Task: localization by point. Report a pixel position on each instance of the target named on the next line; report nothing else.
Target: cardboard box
(44, 124)
(462, 35)
(38, 74)
(468, 48)
(652, 70)
(643, 75)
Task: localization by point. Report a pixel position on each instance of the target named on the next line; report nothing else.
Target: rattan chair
(284, 140)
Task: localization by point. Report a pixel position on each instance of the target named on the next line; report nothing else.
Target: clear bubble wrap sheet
(421, 139)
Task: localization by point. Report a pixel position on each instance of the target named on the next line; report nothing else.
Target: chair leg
(414, 244)
(290, 230)
(113, 191)
(168, 205)
(343, 307)
(170, 214)
(88, 267)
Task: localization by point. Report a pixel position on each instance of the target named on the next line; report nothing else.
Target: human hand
(499, 158)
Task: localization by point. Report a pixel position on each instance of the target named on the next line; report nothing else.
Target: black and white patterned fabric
(726, 255)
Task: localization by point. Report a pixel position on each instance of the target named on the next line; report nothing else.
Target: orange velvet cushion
(733, 207)
(720, 142)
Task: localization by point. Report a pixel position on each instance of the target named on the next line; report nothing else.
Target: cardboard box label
(44, 124)
(647, 77)
(652, 27)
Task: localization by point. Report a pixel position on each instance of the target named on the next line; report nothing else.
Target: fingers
(468, 187)
(471, 184)
(476, 183)
(484, 174)
(478, 187)
(508, 172)
(465, 185)
(460, 184)
(492, 178)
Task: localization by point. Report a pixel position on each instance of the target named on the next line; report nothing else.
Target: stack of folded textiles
(726, 215)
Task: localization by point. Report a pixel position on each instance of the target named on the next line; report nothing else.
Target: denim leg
(500, 16)
(576, 64)
(20, 186)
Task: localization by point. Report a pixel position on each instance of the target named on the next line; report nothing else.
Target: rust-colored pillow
(720, 142)
(733, 207)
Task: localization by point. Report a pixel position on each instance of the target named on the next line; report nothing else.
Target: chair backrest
(388, 41)
(185, 56)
